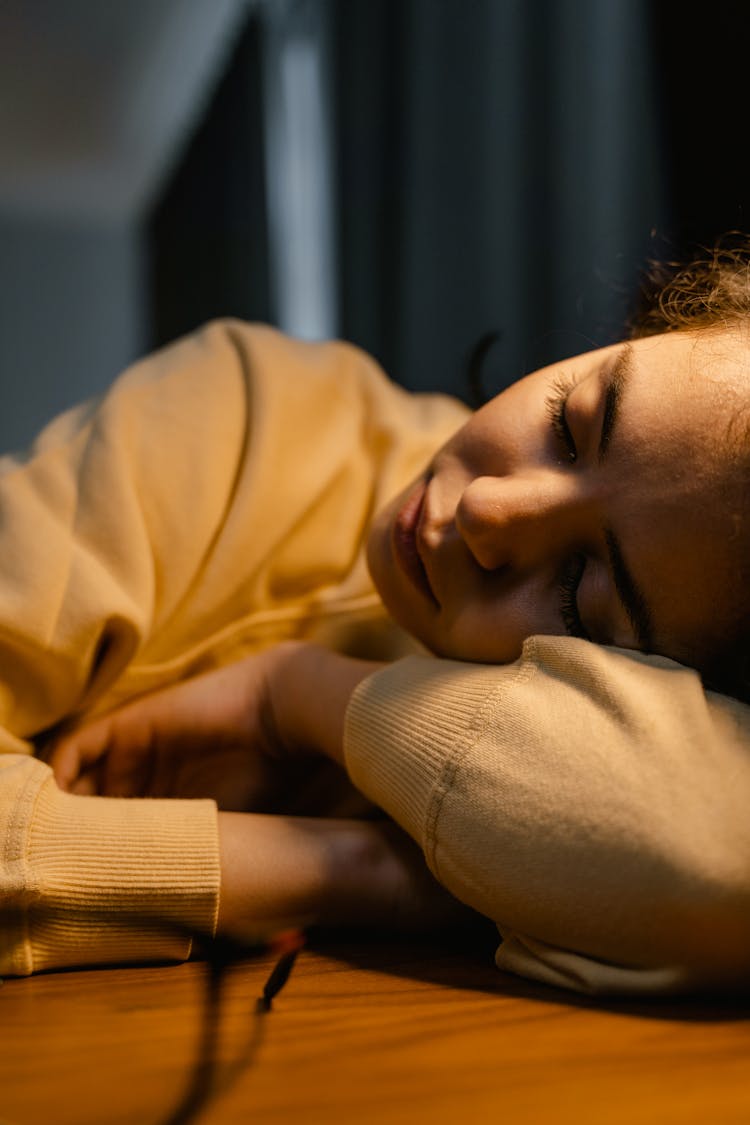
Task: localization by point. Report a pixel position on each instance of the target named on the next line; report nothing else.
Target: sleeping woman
(274, 632)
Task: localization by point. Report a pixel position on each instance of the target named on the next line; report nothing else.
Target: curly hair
(709, 290)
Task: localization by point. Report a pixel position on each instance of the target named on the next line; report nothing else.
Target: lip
(404, 540)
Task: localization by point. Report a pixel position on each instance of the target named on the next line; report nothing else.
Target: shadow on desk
(466, 961)
(377, 1031)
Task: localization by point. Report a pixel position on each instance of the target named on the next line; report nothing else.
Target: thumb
(75, 754)
(111, 755)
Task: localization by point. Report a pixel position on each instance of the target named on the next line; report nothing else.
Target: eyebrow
(629, 592)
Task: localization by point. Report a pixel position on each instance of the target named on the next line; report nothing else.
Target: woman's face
(601, 498)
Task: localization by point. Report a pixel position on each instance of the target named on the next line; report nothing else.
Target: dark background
(500, 166)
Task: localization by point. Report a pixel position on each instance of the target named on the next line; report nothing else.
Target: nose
(522, 520)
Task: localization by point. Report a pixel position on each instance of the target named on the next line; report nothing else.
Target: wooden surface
(365, 1033)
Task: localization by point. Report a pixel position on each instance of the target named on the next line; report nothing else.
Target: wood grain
(370, 1033)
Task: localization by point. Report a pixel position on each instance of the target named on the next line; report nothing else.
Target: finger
(128, 769)
(114, 753)
(78, 752)
(84, 786)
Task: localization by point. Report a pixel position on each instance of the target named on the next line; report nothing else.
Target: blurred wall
(493, 165)
(71, 314)
(488, 166)
(96, 101)
(500, 169)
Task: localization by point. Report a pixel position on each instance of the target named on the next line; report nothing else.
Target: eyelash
(555, 404)
(570, 579)
(567, 589)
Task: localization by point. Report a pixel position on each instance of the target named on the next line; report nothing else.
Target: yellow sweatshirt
(593, 803)
(212, 503)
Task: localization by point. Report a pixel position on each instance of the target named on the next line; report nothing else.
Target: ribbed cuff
(406, 727)
(118, 880)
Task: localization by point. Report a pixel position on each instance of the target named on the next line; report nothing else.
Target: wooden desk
(365, 1033)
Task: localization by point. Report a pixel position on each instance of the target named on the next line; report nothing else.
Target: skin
(508, 507)
(243, 729)
(489, 531)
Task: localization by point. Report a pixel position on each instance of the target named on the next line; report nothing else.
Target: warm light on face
(593, 498)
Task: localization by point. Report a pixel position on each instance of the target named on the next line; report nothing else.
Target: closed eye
(570, 580)
(556, 403)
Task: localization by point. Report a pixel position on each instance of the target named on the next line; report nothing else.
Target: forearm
(309, 689)
(276, 871)
(281, 871)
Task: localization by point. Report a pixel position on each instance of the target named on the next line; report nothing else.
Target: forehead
(684, 380)
(686, 413)
(682, 430)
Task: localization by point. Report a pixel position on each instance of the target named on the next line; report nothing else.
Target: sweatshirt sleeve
(93, 880)
(96, 555)
(591, 802)
(143, 536)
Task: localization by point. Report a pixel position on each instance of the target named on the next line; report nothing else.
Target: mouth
(404, 540)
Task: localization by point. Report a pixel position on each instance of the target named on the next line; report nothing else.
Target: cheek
(491, 627)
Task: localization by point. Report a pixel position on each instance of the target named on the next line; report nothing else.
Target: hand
(243, 735)
(211, 736)
(281, 871)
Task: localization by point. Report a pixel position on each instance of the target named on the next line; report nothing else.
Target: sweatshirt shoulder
(337, 367)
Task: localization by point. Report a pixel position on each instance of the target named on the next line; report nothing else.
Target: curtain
(498, 169)
(485, 165)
